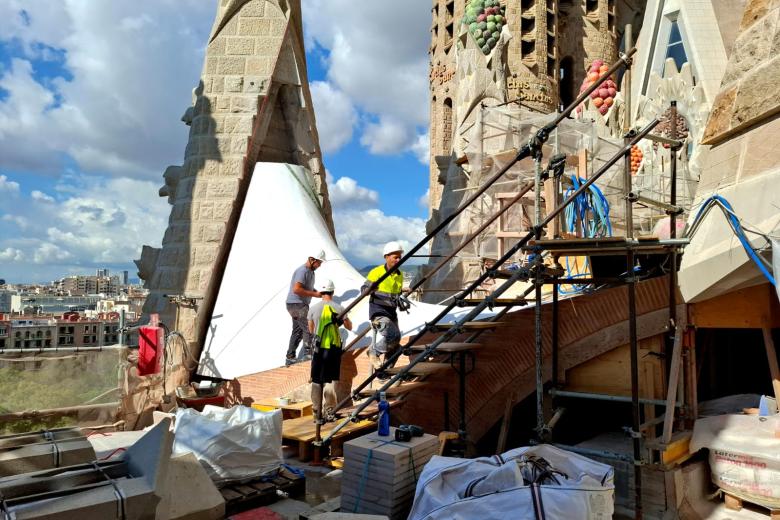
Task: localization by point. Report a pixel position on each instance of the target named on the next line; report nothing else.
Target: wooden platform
(241, 496)
(289, 411)
(302, 432)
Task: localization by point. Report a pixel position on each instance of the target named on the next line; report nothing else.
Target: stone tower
(541, 61)
(252, 104)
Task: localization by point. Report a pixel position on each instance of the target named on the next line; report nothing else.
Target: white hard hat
(328, 286)
(392, 247)
(319, 256)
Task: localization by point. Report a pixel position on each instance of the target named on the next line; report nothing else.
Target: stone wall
(748, 92)
(252, 104)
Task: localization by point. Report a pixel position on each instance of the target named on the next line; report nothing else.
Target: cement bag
(231, 443)
(744, 455)
(497, 487)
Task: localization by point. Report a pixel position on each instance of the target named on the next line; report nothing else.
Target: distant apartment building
(5, 329)
(10, 301)
(32, 333)
(83, 285)
(102, 273)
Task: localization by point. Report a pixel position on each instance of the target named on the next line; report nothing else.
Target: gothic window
(675, 49)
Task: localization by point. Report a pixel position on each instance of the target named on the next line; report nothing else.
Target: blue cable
(739, 232)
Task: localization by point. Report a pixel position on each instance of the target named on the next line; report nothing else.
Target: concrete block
(25, 458)
(190, 493)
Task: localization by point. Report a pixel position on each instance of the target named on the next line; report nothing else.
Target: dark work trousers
(300, 328)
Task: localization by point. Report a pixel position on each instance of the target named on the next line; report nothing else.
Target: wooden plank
(732, 502)
(674, 377)
(504, 432)
(450, 347)
(771, 354)
(397, 390)
(752, 308)
(302, 428)
(472, 325)
(420, 369)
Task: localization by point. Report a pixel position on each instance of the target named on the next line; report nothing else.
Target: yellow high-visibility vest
(327, 330)
(390, 286)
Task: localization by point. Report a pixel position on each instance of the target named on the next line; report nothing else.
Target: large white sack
(490, 488)
(744, 455)
(231, 443)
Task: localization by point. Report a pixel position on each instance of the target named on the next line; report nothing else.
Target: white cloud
(363, 234)
(421, 148)
(40, 196)
(8, 186)
(336, 117)
(346, 194)
(125, 82)
(9, 254)
(98, 222)
(16, 219)
(378, 57)
(424, 200)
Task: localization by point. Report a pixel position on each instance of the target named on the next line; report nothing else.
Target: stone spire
(252, 104)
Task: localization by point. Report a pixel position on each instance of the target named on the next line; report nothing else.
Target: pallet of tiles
(380, 473)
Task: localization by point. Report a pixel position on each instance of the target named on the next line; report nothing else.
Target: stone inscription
(441, 74)
(527, 91)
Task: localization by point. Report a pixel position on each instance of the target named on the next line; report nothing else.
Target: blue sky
(90, 100)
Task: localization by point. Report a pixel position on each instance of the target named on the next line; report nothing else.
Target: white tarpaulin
(231, 443)
(496, 487)
(280, 227)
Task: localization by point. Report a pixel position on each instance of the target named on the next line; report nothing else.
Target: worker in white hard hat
(324, 319)
(383, 305)
(300, 294)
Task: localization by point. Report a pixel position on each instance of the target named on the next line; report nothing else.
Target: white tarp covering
(493, 488)
(280, 227)
(231, 443)
(744, 455)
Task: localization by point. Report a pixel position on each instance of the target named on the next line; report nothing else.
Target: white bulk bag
(231, 443)
(492, 488)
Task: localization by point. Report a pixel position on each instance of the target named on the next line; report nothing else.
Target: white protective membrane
(280, 227)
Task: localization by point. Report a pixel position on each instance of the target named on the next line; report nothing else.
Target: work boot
(289, 360)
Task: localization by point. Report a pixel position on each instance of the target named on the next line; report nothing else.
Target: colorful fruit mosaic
(485, 19)
(603, 97)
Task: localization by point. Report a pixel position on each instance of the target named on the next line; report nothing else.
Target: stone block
(231, 167)
(254, 27)
(216, 47)
(176, 234)
(243, 104)
(220, 189)
(210, 168)
(253, 8)
(278, 26)
(205, 255)
(255, 84)
(212, 233)
(223, 103)
(267, 46)
(182, 210)
(757, 96)
(231, 65)
(751, 49)
(761, 150)
(222, 210)
(217, 85)
(720, 117)
(211, 64)
(171, 256)
(754, 10)
(240, 46)
(230, 28)
(258, 66)
(234, 83)
(239, 145)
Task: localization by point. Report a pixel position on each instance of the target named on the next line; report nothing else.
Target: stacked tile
(380, 473)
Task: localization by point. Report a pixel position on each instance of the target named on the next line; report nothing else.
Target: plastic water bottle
(383, 428)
